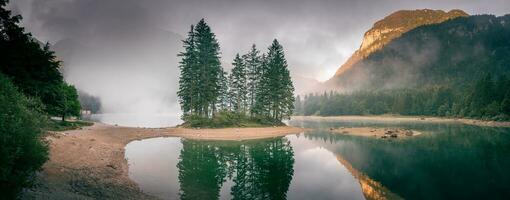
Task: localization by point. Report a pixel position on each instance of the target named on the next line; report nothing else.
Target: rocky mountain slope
(393, 26)
(455, 53)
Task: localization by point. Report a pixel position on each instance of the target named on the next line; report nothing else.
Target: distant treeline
(258, 87)
(487, 98)
(89, 102)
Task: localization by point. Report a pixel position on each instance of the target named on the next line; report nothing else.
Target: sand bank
(90, 163)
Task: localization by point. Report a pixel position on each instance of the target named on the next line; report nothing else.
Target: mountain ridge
(454, 53)
(393, 26)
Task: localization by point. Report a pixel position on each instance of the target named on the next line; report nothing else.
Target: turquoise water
(448, 161)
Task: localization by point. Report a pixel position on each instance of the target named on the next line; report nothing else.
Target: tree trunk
(63, 117)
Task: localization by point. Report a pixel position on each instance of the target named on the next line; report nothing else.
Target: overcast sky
(318, 35)
(124, 51)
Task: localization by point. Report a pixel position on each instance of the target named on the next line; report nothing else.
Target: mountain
(393, 26)
(454, 52)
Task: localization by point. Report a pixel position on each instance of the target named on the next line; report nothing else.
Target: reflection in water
(259, 169)
(450, 161)
(372, 190)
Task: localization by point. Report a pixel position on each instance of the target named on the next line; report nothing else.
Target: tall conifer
(209, 68)
(252, 61)
(275, 98)
(238, 85)
(187, 81)
(201, 72)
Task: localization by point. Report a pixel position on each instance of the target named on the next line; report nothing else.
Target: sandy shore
(90, 163)
(376, 132)
(392, 118)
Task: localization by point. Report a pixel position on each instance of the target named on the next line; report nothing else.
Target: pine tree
(281, 84)
(238, 86)
(187, 81)
(201, 72)
(262, 101)
(224, 99)
(252, 61)
(209, 69)
(275, 96)
(33, 69)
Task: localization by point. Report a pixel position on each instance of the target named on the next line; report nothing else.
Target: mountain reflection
(258, 169)
(450, 161)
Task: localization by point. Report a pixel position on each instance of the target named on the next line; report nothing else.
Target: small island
(258, 92)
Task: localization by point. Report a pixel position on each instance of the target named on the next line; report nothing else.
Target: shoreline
(393, 118)
(90, 162)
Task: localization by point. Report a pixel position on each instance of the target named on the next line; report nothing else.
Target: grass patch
(59, 125)
(228, 120)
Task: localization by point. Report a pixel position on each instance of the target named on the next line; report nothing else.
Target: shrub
(225, 119)
(22, 153)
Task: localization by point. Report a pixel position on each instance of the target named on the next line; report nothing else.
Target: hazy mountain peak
(393, 26)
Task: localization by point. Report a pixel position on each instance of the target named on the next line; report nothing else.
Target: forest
(488, 98)
(32, 90)
(458, 68)
(257, 91)
(454, 53)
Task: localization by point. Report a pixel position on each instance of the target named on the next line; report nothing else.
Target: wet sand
(393, 118)
(90, 163)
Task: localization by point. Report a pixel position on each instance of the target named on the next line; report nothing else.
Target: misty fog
(124, 51)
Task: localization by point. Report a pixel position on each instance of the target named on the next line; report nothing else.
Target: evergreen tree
(201, 72)
(187, 93)
(209, 69)
(276, 91)
(238, 86)
(262, 101)
(252, 61)
(32, 69)
(224, 99)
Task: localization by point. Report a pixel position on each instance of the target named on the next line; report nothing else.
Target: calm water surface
(136, 119)
(448, 161)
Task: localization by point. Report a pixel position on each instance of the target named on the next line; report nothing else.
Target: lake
(448, 161)
(136, 119)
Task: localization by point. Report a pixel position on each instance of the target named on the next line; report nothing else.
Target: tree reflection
(259, 169)
(201, 172)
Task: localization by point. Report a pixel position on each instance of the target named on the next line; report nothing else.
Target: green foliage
(201, 72)
(253, 63)
(275, 91)
(480, 100)
(257, 85)
(238, 86)
(225, 119)
(453, 53)
(68, 102)
(59, 125)
(22, 153)
(32, 69)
